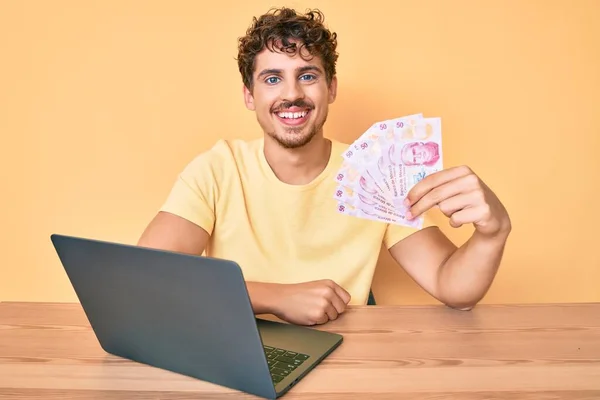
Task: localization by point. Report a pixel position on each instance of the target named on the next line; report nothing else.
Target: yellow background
(103, 103)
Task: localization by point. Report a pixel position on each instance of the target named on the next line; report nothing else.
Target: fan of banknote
(384, 163)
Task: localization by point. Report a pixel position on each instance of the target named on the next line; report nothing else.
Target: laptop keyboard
(282, 362)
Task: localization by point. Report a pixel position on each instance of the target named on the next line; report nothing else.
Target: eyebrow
(299, 70)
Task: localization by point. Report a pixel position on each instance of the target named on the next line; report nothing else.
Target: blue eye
(307, 77)
(272, 80)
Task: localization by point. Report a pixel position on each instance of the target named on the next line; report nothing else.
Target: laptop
(187, 314)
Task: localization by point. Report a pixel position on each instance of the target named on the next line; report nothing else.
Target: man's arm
(458, 277)
(304, 303)
(170, 232)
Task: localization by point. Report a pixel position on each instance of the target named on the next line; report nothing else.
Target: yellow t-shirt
(278, 232)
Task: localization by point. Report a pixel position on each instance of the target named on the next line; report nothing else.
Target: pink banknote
(368, 143)
(381, 167)
(361, 206)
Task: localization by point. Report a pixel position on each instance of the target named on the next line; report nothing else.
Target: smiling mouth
(294, 115)
(293, 118)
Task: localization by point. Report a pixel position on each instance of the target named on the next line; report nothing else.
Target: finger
(324, 311)
(455, 203)
(321, 318)
(465, 216)
(434, 180)
(342, 293)
(331, 312)
(463, 184)
(338, 303)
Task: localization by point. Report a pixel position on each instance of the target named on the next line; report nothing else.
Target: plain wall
(103, 103)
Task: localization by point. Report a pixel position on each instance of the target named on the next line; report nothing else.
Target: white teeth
(292, 115)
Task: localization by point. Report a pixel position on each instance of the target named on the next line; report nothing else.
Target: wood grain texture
(389, 352)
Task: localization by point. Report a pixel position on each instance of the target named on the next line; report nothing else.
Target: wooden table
(48, 351)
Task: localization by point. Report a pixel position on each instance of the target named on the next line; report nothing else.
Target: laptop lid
(187, 314)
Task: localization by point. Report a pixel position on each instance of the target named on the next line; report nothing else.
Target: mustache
(296, 103)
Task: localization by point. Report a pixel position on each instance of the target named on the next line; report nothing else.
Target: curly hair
(282, 28)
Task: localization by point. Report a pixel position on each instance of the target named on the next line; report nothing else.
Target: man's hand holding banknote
(394, 173)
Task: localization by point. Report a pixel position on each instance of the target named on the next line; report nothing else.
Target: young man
(267, 204)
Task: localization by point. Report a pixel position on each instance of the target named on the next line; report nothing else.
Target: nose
(292, 90)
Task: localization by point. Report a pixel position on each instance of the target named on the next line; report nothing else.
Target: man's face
(290, 96)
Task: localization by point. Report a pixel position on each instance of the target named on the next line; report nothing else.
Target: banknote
(384, 163)
(363, 207)
(368, 143)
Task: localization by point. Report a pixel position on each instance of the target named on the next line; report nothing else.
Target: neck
(298, 166)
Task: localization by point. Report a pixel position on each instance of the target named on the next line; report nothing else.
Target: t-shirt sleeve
(194, 194)
(395, 233)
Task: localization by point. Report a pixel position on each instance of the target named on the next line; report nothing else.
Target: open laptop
(187, 314)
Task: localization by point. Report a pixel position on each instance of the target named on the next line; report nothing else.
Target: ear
(248, 98)
(333, 89)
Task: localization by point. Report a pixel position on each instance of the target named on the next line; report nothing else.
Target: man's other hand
(310, 303)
